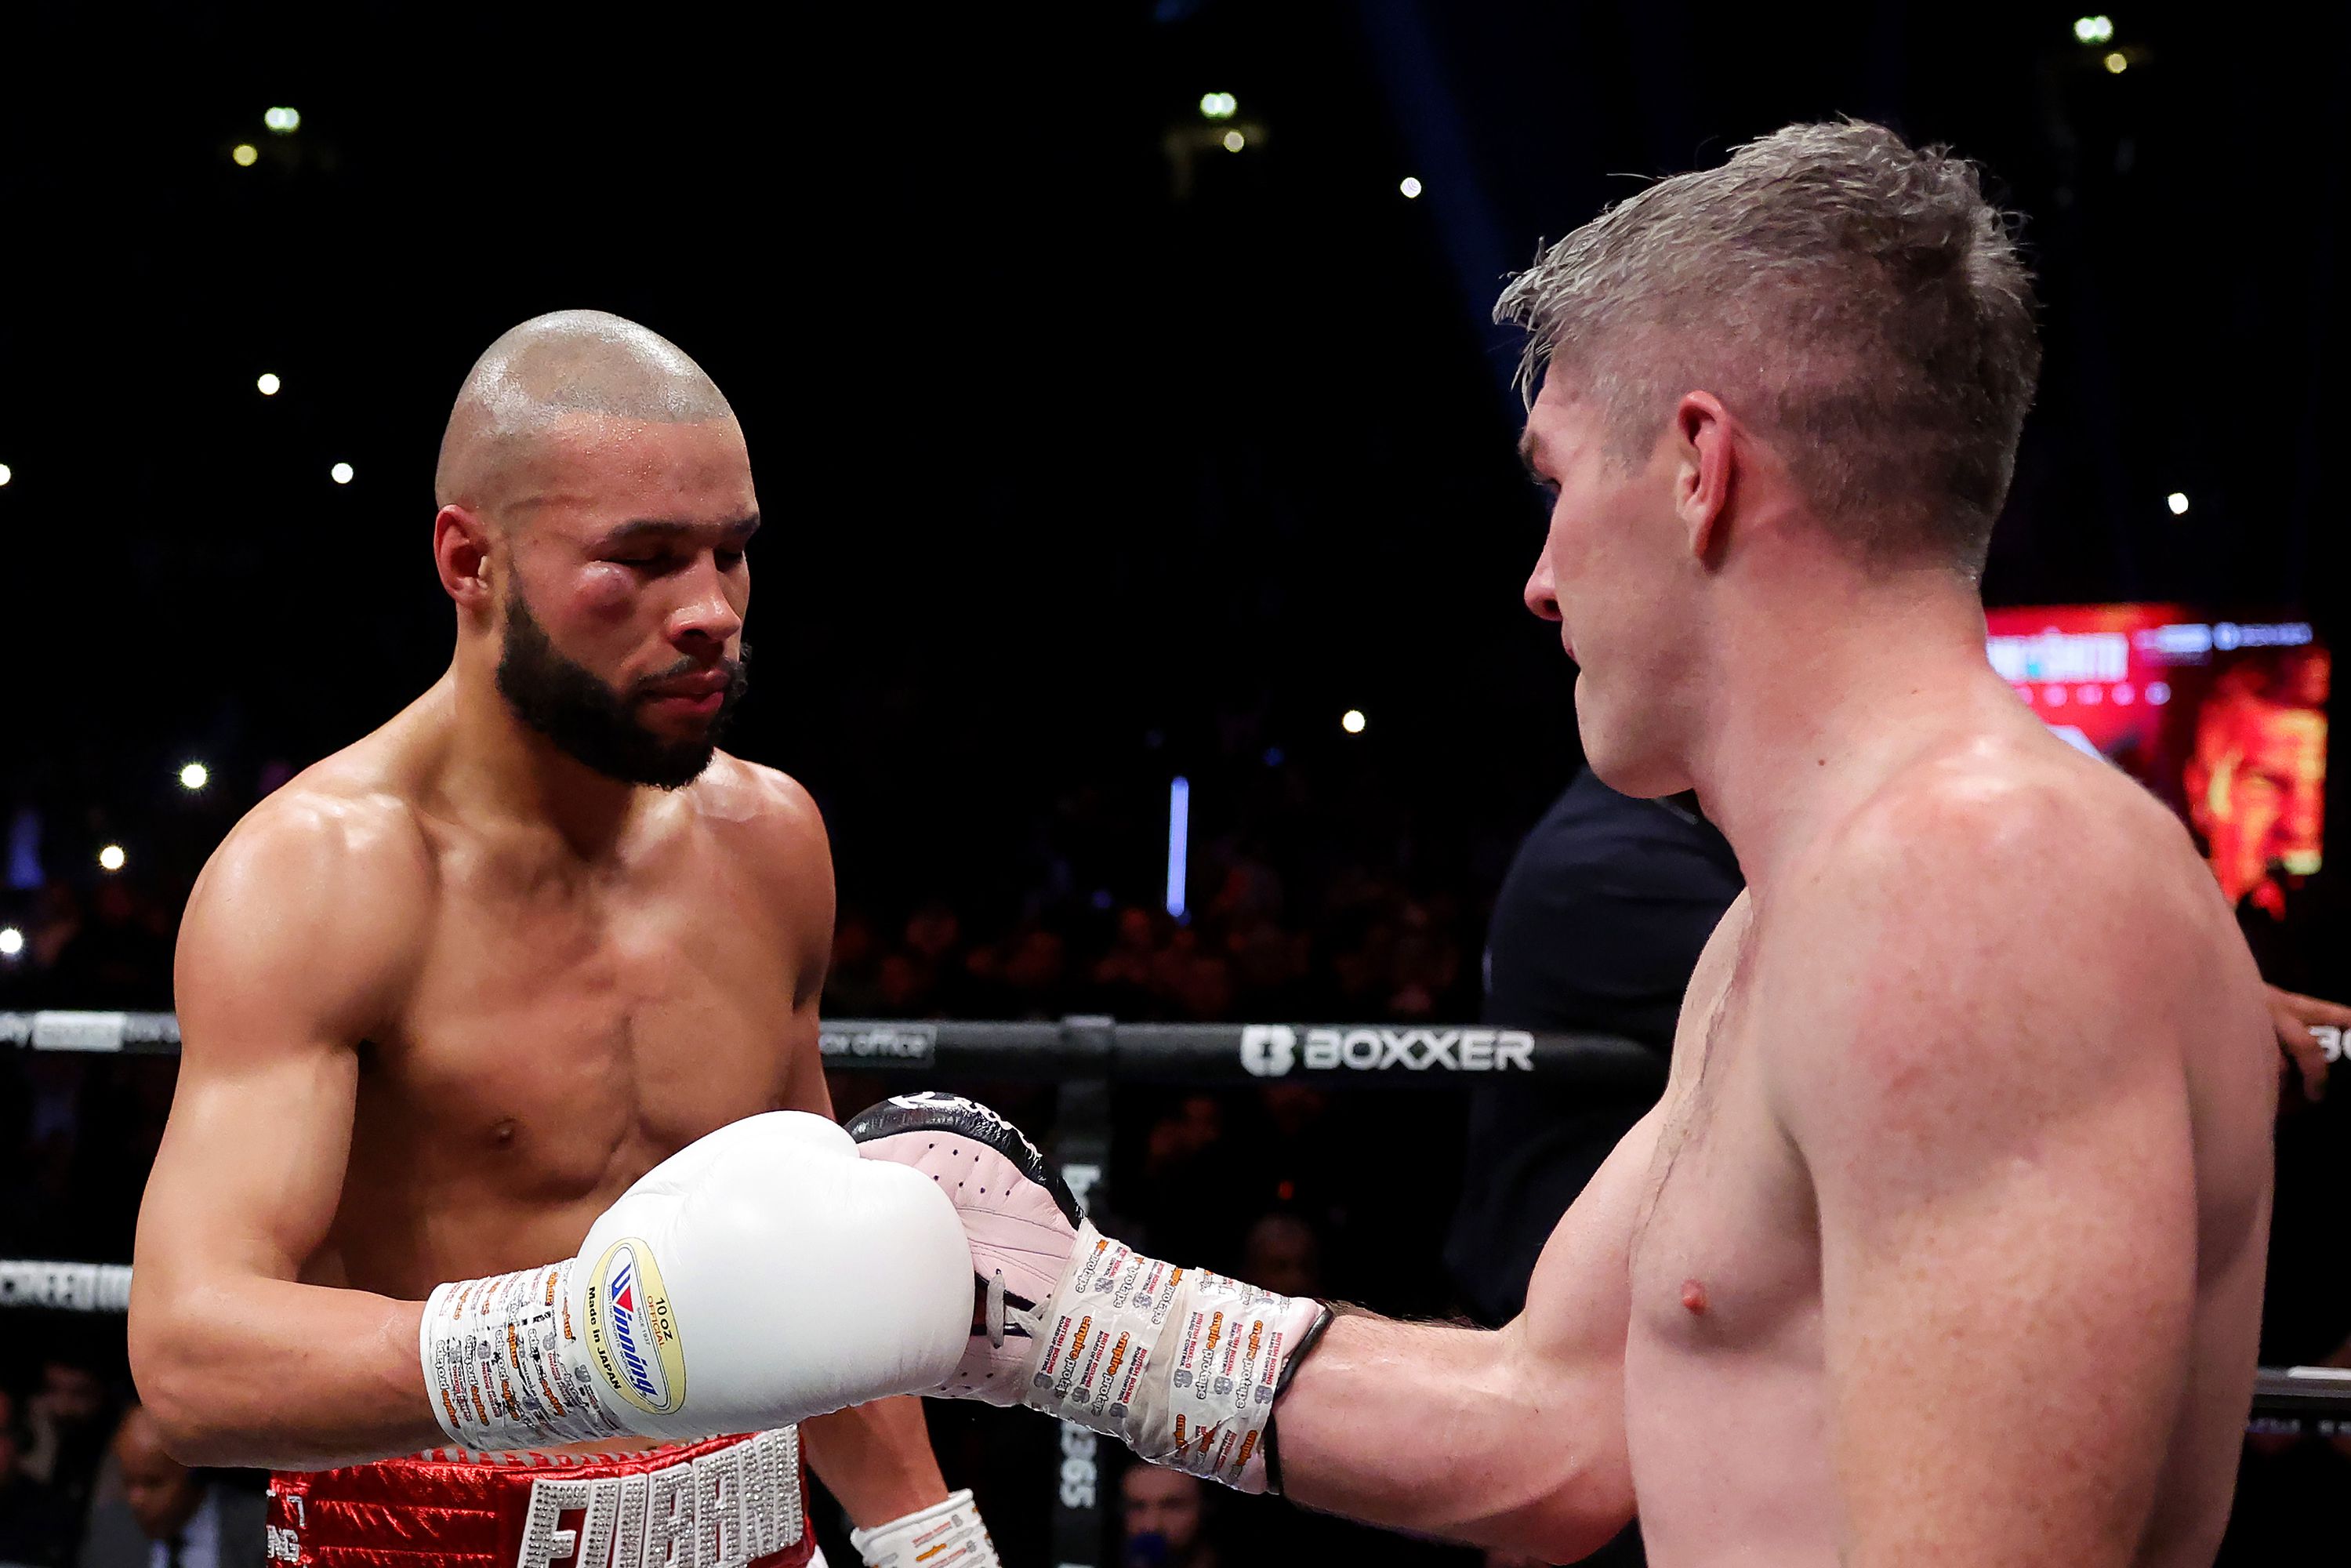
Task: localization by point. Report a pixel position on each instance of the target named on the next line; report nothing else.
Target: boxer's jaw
(598, 727)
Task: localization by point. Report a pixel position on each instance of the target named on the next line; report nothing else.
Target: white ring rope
(65, 1287)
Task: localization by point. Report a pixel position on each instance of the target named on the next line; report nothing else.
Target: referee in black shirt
(1597, 928)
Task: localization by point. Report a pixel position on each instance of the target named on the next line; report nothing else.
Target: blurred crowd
(105, 944)
(1368, 948)
(84, 1478)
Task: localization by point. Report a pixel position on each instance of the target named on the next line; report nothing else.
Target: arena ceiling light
(2117, 63)
(1410, 187)
(243, 154)
(1234, 141)
(283, 121)
(341, 473)
(1220, 105)
(110, 857)
(2177, 502)
(12, 942)
(194, 776)
(268, 384)
(2094, 30)
(1352, 721)
(5, 474)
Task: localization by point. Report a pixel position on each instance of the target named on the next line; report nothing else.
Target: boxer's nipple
(1694, 1295)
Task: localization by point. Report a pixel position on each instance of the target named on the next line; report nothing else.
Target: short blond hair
(1835, 287)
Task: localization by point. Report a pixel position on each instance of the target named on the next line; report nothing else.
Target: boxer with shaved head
(463, 1006)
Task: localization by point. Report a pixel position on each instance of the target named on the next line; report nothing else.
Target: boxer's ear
(1705, 440)
(461, 551)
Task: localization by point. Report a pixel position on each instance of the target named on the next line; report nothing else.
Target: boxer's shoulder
(346, 805)
(330, 823)
(1987, 820)
(313, 904)
(733, 788)
(1994, 915)
(765, 813)
(766, 827)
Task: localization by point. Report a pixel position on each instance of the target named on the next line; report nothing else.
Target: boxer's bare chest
(1715, 1254)
(1724, 1335)
(564, 1032)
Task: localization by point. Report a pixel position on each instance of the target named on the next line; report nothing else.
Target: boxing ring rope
(1082, 1046)
(1084, 1054)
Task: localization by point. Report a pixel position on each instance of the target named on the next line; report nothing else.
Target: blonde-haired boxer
(1946, 1243)
(449, 994)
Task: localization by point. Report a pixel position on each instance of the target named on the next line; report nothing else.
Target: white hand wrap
(1182, 1364)
(506, 1363)
(944, 1535)
(1179, 1363)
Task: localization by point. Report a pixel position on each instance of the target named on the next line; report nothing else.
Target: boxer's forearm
(1459, 1433)
(875, 1459)
(267, 1373)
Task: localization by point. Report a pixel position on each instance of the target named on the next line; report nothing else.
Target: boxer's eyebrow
(1531, 454)
(736, 533)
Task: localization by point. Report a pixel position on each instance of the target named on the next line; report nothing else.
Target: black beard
(591, 724)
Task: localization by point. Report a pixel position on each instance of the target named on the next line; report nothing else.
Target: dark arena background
(1139, 590)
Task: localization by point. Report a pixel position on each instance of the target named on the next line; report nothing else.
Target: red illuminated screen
(2224, 720)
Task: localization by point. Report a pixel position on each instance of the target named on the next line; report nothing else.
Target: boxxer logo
(1268, 1050)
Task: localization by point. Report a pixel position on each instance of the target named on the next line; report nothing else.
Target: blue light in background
(24, 849)
(1179, 839)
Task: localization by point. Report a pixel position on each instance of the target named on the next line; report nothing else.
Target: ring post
(1082, 1148)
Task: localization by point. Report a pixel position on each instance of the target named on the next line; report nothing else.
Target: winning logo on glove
(632, 1330)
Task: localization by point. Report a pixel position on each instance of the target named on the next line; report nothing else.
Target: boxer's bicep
(1579, 1298)
(1512, 1439)
(285, 955)
(291, 942)
(1999, 1144)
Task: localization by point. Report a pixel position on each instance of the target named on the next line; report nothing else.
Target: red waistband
(728, 1502)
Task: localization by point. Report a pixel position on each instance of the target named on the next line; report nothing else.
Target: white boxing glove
(1183, 1365)
(944, 1535)
(756, 1277)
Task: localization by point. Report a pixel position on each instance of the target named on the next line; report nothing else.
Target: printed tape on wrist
(510, 1361)
(944, 1535)
(1181, 1364)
